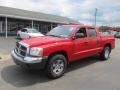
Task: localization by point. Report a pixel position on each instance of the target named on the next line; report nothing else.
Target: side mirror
(79, 35)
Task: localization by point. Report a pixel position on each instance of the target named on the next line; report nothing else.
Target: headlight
(36, 51)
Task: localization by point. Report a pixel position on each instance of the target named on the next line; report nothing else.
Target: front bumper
(29, 61)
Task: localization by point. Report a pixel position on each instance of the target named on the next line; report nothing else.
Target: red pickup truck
(61, 46)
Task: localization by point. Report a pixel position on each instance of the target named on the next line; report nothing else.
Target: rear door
(94, 41)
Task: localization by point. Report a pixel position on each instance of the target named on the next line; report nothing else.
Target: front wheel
(105, 53)
(56, 66)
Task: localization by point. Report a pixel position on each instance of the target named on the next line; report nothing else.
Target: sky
(108, 11)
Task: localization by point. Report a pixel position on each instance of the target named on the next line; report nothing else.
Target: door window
(92, 32)
(81, 32)
(23, 30)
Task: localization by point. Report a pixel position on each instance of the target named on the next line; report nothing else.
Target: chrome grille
(21, 49)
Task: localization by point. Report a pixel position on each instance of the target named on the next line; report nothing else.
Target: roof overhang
(35, 19)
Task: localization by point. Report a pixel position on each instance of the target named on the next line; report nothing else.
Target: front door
(81, 44)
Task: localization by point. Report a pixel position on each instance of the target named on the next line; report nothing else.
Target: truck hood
(43, 40)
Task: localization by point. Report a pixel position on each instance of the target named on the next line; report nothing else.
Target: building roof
(37, 16)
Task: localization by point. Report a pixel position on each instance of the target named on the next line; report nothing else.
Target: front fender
(52, 48)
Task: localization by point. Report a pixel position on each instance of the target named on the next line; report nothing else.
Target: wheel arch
(59, 52)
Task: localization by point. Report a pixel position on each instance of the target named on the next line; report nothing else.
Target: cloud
(81, 10)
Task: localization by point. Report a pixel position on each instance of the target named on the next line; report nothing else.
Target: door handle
(86, 42)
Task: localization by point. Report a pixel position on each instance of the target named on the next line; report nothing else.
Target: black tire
(51, 68)
(105, 53)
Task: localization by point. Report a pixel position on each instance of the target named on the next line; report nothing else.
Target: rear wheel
(105, 53)
(56, 66)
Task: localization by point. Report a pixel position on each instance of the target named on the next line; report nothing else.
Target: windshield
(32, 31)
(61, 31)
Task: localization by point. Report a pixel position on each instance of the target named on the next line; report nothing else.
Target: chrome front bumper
(29, 60)
(26, 59)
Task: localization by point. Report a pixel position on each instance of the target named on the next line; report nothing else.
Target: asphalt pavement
(86, 74)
